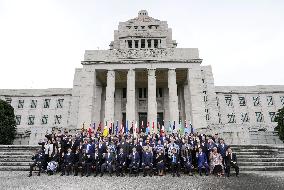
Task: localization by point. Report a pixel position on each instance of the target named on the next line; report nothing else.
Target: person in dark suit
(160, 162)
(175, 163)
(77, 161)
(231, 161)
(98, 159)
(202, 161)
(121, 160)
(222, 148)
(147, 162)
(87, 163)
(134, 162)
(107, 165)
(187, 161)
(38, 160)
(67, 162)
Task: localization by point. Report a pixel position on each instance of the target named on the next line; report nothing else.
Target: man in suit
(175, 162)
(121, 160)
(67, 162)
(38, 160)
(202, 161)
(134, 162)
(107, 165)
(231, 161)
(147, 162)
(222, 148)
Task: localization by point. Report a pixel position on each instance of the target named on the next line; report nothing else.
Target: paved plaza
(257, 181)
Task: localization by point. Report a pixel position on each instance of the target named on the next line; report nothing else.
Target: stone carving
(142, 53)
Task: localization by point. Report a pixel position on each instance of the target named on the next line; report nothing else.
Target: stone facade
(145, 78)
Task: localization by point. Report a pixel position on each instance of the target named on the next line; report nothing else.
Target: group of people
(152, 154)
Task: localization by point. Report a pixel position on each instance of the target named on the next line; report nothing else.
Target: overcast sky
(43, 41)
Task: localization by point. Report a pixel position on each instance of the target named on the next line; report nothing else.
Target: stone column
(173, 98)
(109, 102)
(130, 104)
(152, 103)
(152, 43)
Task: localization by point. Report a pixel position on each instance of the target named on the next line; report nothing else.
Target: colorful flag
(147, 128)
(83, 127)
(191, 127)
(116, 128)
(153, 127)
(94, 126)
(90, 131)
(106, 131)
(186, 130)
(126, 128)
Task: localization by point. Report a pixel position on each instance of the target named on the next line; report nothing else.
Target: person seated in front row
(121, 160)
(38, 160)
(67, 162)
(175, 162)
(147, 162)
(216, 162)
(107, 165)
(202, 161)
(231, 161)
(134, 162)
(187, 161)
(160, 160)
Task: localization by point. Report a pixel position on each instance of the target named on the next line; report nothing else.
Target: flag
(90, 131)
(106, 131)
(170, 127)
(121, 131)
(132, 127)
(142, 126)
(191, 127)
(147, 128)
(110, 128)
(186, 130)
(181, 127)
(94, 126)
(153, 127)
(116, 128)
(126, 128)
(100, 127)
(135, 130)
(174, 126)
(83, 127)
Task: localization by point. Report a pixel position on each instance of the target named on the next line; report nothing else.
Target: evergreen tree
(7, 123)
(280, 123)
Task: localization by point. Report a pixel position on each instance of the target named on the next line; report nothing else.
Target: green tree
(280, 123)
(7, 123)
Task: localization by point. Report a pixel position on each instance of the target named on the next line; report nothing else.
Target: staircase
(16, 157)
(260, 157)
(264, 137)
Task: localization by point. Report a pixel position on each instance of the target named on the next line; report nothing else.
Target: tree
(7, 123)
(280, 123)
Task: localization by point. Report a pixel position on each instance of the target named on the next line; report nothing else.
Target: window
(244, 117)
(156, 43)
(129, 42)
(46, 103)
(142, 43)
(269, 100)
(207, 115)
(18, 119)
(256, 101)
(149, 43)
(124, 93)
(60, 103)
(259, 117)
(228, 100)
(31, 120)
(145, 92)
(140, 92)
(159, 92)
(58, 119)
(282, 100)
(272, 116)
(242, 101)
(21, 103)
(8, 100)
(136, 43)
(205, 97)
(44, 119)
(33, 103)
(231, 118)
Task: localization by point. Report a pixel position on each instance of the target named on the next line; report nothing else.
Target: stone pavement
(256, 180)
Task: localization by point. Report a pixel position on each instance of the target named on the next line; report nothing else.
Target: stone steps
(261, 164)
(261, 168)
(16, 157)
(275, 159)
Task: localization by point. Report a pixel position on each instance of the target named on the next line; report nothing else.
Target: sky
(43, 41)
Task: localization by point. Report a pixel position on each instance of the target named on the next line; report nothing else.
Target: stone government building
(145, 77)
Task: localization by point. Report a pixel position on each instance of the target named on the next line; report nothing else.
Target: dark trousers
(200, 166)
(38, 164)
(86, 168)
(149, 168)
(76, 167)
(234, 165)
(187, 167)
(66, 168)
(134, 167)
(175, 167)
(120, 169)
(98, 167)
(106, 166)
